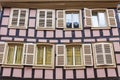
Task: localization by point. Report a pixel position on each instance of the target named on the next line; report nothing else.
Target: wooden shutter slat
(60, 22)
(29, 54)
(87, 51)
(87, 16)
(3, 47)
(108, 53)
(111, 18)
(60, 52)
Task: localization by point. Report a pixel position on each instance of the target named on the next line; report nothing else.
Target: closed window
(72, 19)
(104, 55)
(44, 55)
(18, 18)
(15, 54)
(45, 19)
(99, 19)
(73, 55)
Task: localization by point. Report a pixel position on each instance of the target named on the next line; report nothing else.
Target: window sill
(105, 66)
(72, 28)
(45, 28)
(43, 67)
(74, 67)
(12, 65)
(17, 27)
(100, 27)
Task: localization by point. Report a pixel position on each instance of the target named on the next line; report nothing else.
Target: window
(45, 19)
(18, 18)
(74, 55)
(44, 55)
(99, 19)
(72, 19)
(104, 55)
(14, 54)
(69, 19)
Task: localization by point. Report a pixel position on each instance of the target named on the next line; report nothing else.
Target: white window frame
(82, 61)
(14, 54)
(100, 10)
(44, 56)
(19, 11)
(80, 19)
(45, 23)
(105, 65)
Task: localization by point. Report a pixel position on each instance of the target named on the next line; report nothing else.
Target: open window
(100, 18)
(18, 18)
(69, 19)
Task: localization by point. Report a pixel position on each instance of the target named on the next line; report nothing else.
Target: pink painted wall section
(3, 31)
(90, 73)
(49, 34)
(100, 73)
(115, 31)
(17, 72)
(42, 40)
(96, 33)
(116, 46)
(6, 38)
(18, 39)
(31, 32)
(65, 40)
(80, 74)
(118, 69)
(78, 34)
(27, 72)
(68, 34)
(40, 33)
(118, 58)
(22, 32)
(5, 21)
(6, 72)
(59, 33)
(59, 73)
(77, 40)
(111, 72)
(31, 22)
(12, 32)
(69, 74)
(7, 12)
(106, 33)
(87, 33)
(48, 74)
(101, 39)
(33, 13)
(38, 74)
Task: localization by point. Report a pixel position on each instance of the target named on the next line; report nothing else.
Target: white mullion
(44, 55)
(104, 53)
(15, 51)
(53, 18)
(73, 55)
(45, 26)
(18, 17)
(72, 20)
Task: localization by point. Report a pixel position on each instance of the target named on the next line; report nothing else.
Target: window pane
(69, 20)
(41, 23)
(19, 54)
(40, 53)
(49, 14)
(49, 23)
(77, 55)
(10, 56)
(102, 19)
(23, 13)
(94, 19)
(48, 55)
(15, 13)
(69, 55)
(75, 20)
(119, 16)
(42, 14)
